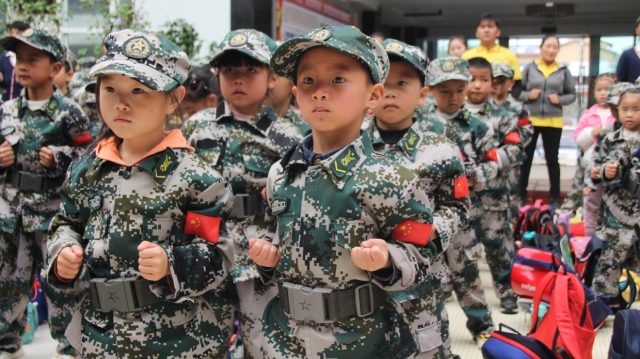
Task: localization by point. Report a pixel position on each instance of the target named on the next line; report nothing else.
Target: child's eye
(109, 89)
(251, 70)
(227, 70)
(307, 81)
(338, 80)
(137, 91)
(402, 83)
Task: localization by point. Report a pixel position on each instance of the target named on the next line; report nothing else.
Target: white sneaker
(17, 354)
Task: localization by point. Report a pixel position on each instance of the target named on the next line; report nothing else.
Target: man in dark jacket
(629, 64)
(11, 87)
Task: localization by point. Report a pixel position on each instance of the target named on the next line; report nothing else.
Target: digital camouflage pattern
(436, 160)
(298, 121)
(637, 83)
(252, 43)
(621, 213)
(109, 209)
(613, 96)
(348, 40)
(318, 214)
(411, 54)
(448, 68)
(39, 39)
(79, 80)
(87, 101)
(145, 56)
(70, 60)
(502, 69)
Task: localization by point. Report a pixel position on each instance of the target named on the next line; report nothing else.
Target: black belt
(121, 295)
(29, 182)
(632, 187)
(247, 205)
(325, 305)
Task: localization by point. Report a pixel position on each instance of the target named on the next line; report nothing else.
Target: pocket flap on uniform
(429, 338)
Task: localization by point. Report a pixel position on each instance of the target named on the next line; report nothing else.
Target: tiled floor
(43, 347)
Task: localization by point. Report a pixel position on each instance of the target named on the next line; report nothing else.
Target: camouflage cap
(411, 54)
(39, 39)
(638, 81)
(346, 39)
(145, 56)
(447, 69)
(502, 69)
(252, 43)
(70, 60)
(613, 97)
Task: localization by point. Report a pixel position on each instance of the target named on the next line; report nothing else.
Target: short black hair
(547, 37)
(480, 63)
(19, 25)
(489, 17)
(200, 83)
(235, 58)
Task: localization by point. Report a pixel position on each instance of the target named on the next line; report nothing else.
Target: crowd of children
(274, 223)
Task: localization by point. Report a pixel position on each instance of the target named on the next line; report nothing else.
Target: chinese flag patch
(412, 232)
(205, 227)
(461, 187)
(492, 155)
(512, 138)
(81, 139)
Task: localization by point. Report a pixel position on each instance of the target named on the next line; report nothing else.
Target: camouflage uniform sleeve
(187, 127)
(76, 129)
(511, 151)
(414, 205)
(201, 265)
(451, 204)
(525, 127)
(483, 170)
(610, 155)
(266, 274)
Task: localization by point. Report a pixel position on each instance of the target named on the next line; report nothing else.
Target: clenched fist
(68, 263)
(7, 157)
(152, 261)
(373, 254)
(611, 170)
(46, 157)
(264, 253)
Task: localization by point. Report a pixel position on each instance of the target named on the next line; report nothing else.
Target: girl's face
(549, 50)
(245, 87)
(132, 110)
(629, 111)
(456, 48)
(601, 89)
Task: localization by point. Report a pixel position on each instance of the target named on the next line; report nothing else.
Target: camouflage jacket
(436, 160)
(298, 121)
(87, 101)
(618, 146)
(525, 128)
(474, 139)
(109, 209)
(243, 153)
(62, 127)
(431, 122)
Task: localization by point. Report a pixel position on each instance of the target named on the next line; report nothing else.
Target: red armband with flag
(412, 232)
(464, 158)
(524, 122)
(81, 139)
(460, 187)
(205, 227)
(512, 138)
(492, 155)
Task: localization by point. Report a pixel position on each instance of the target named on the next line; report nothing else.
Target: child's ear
(273, 80)
(424, 91)
(294, 91)
(377, 93)
(69, 76)
(175, 97)
(212, 101)
(55, 69)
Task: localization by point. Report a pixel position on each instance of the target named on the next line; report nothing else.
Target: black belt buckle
(30, 182)
(114, 295)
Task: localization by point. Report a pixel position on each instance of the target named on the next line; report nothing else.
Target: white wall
(211, 18)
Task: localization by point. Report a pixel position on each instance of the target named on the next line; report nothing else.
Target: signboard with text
(296, 18)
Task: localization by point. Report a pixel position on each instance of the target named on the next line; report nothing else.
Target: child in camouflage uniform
(203, 92)
(492, 203)
(503, 75)
(86, 98)
(41, 132)
(241, 140)
(396, 134)
(448, 78)
(281, 99)
(621, 182)
(348, 224)
(65, 75)
(142, 217)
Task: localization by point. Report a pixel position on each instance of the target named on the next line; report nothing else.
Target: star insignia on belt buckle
(448, 66)
(137, 48)
(322, 35)
(305, 305)
(395, 46)
(113, 296)
(238, 40)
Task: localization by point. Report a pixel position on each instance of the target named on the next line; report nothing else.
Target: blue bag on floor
(43, 312)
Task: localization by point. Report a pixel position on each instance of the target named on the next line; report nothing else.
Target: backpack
(505, 345)
(625, 341)
(537, 218)
(567, 328)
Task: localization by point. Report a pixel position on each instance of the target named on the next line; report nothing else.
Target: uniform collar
(49, 107)
(409, 143)
(481, 48)
(261, 122)
(107, 149)
(463, 115)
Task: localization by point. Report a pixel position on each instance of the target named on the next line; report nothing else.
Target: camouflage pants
(20, 255)
(574, 198)
(462, 257)
(494, 231)
(513, 185)
(591, 212)
(620, 250)
(253, 297)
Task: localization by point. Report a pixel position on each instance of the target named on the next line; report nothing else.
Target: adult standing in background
(8, 82)
(547, 86)
(629, 64)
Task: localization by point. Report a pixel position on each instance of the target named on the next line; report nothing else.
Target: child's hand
(7, 157)
(69, 262)
(264, 253)
(611, 170)
(586, 191)
(533, 94)
(434, 233)
(46, 157)
(372, 255)
(152, 262)
(263, 193)
(554, 99)
(596, 131)
(595, 173)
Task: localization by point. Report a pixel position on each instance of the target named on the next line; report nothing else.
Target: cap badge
(27, 33)
(137, 48)
(322, 35)
(448, 66)
(238, 40)
(395, 46)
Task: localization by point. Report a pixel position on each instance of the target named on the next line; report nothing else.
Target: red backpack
(567, 328)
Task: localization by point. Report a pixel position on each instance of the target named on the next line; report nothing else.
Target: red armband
(205, 227)
(512, 138)
(460, 187)
(413, 232)
(492, 155)
(464, 158)
(81, 139)
(524, 122)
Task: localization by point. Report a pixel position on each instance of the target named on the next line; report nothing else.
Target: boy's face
(403, 91)
(334, 91)
(501, 87)
(15, 32)
(487, 31)
(34, 67)
(479, 89)
(63, 78)
(245, 87)
(449, 95)
(629, 111)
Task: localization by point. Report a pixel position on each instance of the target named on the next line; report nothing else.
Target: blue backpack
(625, 341)
(513, 345)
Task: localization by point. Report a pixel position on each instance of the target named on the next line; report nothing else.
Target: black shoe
(509, 305)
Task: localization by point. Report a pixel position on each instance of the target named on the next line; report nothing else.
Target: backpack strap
(564, 316)
(547, 280)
